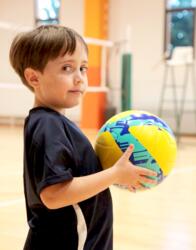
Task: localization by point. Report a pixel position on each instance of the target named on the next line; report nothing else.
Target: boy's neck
(37, 104)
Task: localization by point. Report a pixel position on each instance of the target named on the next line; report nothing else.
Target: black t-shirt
(55, 150)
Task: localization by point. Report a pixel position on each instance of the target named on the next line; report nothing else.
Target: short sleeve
(51, 153)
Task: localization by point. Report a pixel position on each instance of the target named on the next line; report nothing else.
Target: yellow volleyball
(154, 142)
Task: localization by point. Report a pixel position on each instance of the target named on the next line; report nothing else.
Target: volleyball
(154, 142)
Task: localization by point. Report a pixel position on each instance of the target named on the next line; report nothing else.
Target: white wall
(19, 13)
(72, 14)
(146, 21)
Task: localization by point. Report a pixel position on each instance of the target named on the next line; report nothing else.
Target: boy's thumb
(128, 152)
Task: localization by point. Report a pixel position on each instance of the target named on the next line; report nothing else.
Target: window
(47, 11)
(179, 24)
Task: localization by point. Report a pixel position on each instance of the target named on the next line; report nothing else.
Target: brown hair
(35, 48)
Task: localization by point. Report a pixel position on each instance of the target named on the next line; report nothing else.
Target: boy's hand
(131, 176)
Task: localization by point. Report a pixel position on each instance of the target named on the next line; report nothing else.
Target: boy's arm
(77, 190)
(82, 188)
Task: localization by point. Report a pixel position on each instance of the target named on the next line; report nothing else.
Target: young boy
(68, 202)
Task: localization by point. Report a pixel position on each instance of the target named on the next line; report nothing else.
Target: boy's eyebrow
(72, 61)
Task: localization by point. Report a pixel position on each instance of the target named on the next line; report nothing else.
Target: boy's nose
(78, 78)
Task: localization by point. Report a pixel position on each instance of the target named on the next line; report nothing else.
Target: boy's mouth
(76, 91)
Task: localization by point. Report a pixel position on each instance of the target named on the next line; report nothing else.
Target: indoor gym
(159, 79)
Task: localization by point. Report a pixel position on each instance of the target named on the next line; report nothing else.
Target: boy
(68, 202)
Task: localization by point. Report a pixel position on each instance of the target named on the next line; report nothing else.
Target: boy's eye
(84, 69)
(67, 68)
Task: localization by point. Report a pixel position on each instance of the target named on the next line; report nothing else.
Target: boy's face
(63, 81)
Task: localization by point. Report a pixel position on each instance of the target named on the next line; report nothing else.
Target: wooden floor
(163, 218)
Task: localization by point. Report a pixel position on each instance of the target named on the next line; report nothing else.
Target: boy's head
(35, 48)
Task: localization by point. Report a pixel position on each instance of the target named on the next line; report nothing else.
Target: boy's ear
(31, 77)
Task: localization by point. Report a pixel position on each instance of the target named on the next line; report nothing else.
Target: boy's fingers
(147, 172)
(143, 171)
(148, 180)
